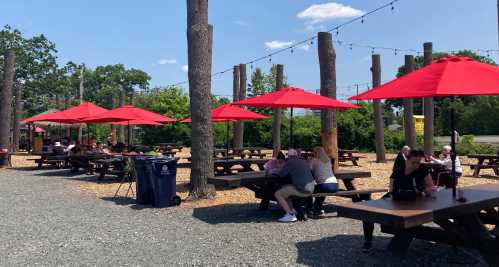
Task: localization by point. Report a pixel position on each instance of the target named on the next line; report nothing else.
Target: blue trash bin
(143, 186)
(164, 181)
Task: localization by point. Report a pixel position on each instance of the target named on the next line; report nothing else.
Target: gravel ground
(45, 221)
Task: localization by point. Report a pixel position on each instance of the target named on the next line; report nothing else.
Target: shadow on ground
(344, 250)
(235, 213)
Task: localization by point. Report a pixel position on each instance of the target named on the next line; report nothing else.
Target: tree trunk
(276, 123)
(428, 106)
(66, 106)
(122, 127)
(16, 133)
(327, 62)
(199, 50)
(236, 84)
(6, 98)
(409, 129)
(113, 127)
(239, 126)
(80, 128)
(378, 113)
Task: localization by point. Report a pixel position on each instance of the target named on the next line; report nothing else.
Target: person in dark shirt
(302, 184)
(413, 179)
(399, 163)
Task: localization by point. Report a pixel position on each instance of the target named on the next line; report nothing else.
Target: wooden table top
(483, 156)
(247, 178)
(407, 214)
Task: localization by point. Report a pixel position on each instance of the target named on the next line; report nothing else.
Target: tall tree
(16, 133)
(378, 113)
(428, 106)
(6, 98)
(199, 50)
(276, 125)
(327, 62)
(239, 126)
(409, 129)
(236, 84)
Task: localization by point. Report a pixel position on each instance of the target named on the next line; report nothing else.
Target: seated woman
(322, 170)
(413, 180)
(445, 178)
(274, 166)
(302, 184)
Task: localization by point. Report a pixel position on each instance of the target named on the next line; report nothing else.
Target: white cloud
(185, 68)
(241, 22)
(304, 47)
(278, 44)
(169, 61)
(318, 13)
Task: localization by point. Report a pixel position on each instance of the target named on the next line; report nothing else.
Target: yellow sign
(419, 124)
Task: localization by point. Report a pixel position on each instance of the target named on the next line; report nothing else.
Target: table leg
(400, 243)
(264, 204)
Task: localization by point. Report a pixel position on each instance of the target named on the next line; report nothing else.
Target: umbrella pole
(129, 143)
(453, 146)
(291, 129)
(227, 142)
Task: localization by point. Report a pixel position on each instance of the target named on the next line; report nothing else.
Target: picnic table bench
(223, 166)
(344, 155)
(265, 186)
(57, 161)
(457, 223)
(111, 166)
(485, 161)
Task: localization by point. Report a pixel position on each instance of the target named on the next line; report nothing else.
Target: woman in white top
(322, 170)
(445, 179)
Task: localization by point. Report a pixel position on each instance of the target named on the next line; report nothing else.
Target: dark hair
(416, 154)
(281, 155)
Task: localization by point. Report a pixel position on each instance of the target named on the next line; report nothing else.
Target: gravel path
(45, 221)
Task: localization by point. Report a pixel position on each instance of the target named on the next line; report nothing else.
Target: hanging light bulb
(395, 51)
(351, 47)
(362, 20)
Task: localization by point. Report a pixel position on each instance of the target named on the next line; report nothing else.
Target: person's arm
(284, 172)
(438, 161)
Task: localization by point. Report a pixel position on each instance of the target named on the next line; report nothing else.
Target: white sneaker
(287, 218)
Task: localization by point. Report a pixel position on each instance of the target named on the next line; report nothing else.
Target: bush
(468, 146)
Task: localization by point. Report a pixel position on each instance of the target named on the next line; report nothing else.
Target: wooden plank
(350, 193)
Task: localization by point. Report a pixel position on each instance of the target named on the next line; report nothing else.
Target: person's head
(292, 153)
(446, 150)
(281, 156)
(405, 150)
(320, 154)
(415, 157)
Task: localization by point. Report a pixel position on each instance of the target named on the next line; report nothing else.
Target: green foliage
(468, 146)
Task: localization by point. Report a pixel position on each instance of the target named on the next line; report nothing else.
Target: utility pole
(378, 113)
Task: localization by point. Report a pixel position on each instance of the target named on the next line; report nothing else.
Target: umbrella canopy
(294, 98)
(137, 122)
(83, 111)
(448, 76)
(228, 112)
(128, 113)
(57, 116)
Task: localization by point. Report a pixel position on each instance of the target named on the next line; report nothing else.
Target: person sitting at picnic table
(302, 184)
(399, 163)
(445, 178)
(274, 166)
(413, 180)
(322, 170)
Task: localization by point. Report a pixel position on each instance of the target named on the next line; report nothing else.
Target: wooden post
(199, 50)
(428, 106)
(276, 123)
(113, 127)
(80, 128)
(6, 98)
(378, 113)
(409, 129)
(327, 62)
(16, 133)
(235, 97)
(66, 106)
(122, 127)
(239, 126)
(130, 127)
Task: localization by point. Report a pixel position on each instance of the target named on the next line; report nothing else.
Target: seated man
(445, 178)
(302, 184)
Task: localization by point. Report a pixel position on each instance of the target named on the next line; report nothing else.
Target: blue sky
(151, 35)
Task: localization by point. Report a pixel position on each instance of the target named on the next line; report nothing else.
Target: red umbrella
(128, 113)
(83, 111)
(449, 76)
(229, 113)
(137, 122)
(57, 116)
(294, 98)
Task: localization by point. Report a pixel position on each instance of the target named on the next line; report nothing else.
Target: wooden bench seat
(348, 193)
(478, 167)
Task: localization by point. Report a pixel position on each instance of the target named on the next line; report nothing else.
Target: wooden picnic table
(485, 161)
(344, 155)
(56, 160)
(111, 166)
(458, 223)
(265, 186)
(223, 167)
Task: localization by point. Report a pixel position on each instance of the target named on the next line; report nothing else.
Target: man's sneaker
(287, 218)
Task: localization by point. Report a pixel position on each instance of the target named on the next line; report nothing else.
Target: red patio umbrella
(128, 113)
(294, 98)
(137, 122)
(447, 77)
(229, 113)
(83, 111)
(57, 116)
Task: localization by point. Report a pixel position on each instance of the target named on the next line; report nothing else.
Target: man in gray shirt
(302, 184)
